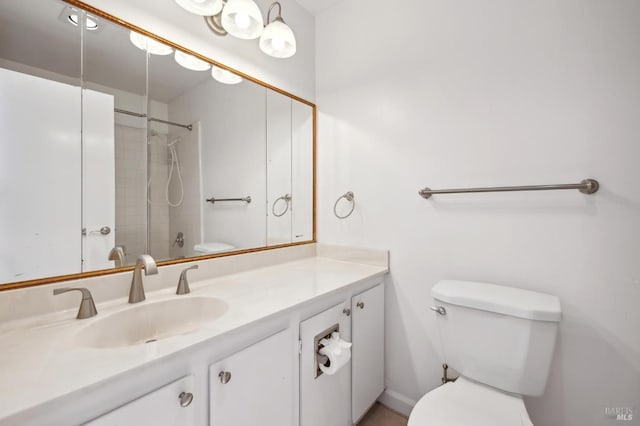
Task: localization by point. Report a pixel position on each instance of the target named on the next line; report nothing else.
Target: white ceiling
(316, 6)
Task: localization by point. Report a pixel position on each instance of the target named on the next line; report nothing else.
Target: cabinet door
(324, 399)
(162, 407)
(367, 352)
(257, 388)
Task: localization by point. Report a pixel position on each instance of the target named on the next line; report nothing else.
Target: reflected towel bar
(157, 120)
(213, 200)
(587, 186)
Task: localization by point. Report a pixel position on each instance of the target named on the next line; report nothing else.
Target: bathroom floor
(379, 415)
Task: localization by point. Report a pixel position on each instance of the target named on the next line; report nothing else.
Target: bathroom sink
(150, 321)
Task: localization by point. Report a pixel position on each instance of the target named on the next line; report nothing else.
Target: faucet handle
(87, 307)
(183, 282)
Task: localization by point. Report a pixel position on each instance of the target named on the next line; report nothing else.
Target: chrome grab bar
(214, 200)
(587, 186)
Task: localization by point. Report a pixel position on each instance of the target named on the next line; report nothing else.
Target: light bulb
(277, 44)
(242, 20)
(201, 7)
(277, 40)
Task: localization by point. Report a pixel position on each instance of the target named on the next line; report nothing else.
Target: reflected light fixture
(243, 19)
(150, 45)
(191, 62)
(201, 7)
(74, 18)
(277, 39)
(224, 76)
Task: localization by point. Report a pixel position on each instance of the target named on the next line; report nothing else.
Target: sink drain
(150, 340)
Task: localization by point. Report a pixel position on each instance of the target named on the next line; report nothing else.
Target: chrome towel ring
(349, 197)
(287, 199)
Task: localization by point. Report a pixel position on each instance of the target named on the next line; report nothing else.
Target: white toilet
(500, 340)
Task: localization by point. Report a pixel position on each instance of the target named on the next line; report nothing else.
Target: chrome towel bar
(213, 200)
(587, 186)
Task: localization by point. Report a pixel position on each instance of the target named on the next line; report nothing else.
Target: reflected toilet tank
(212, 248)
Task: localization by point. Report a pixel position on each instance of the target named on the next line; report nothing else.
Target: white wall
(468, 93)
(279, 150)
(167, 19)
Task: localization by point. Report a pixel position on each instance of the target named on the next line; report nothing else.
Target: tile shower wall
(186, 217)
(131, 190)
(158, 207)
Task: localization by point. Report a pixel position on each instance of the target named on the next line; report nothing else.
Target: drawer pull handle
(346, 311)
(360, 305)
(224, 376)
(185, 399)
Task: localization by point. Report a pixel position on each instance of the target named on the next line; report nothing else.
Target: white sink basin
(150, 321)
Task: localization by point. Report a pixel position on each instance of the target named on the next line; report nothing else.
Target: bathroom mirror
(116, 143)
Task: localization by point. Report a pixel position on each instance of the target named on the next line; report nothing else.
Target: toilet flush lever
(439, 309)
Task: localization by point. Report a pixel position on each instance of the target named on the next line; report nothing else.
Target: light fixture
(191, 62)
(74, 18)
(242, 19)
(277, 39)
(150, 45)
(201, 7)
(224, 76)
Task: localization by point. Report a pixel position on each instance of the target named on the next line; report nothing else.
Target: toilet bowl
(501, 341)
(466, 403)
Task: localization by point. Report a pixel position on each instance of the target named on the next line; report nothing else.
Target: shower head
(173, 142)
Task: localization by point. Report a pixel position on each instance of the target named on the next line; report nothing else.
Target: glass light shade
(242, 19)
(148, 44)
(277, 40)
(224, 76)
(191, 62)
(201, 7)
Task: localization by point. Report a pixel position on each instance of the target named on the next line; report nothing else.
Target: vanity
(244, 355)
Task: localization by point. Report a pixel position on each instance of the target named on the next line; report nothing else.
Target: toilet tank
(497, 335)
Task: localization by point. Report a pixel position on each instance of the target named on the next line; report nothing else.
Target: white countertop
(40, 361)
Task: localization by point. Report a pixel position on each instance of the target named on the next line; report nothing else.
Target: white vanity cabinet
(367, 352)
(343, 398)
(255, 386)
(324, 399)
(171, 405)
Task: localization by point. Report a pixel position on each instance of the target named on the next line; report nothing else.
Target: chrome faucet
(146, 262)
(117, 254)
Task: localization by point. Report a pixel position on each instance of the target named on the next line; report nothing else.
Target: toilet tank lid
(500, 299)
(214, 247)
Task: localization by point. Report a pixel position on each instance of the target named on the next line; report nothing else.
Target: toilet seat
(466, 403)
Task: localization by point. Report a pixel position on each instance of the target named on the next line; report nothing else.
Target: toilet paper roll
(337, 351)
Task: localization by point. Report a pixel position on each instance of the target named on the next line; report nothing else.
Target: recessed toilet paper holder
(319, 358)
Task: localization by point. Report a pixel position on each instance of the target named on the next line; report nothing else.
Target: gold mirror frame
(104, 15)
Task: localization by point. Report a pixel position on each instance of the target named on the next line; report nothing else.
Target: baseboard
(397, 402)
